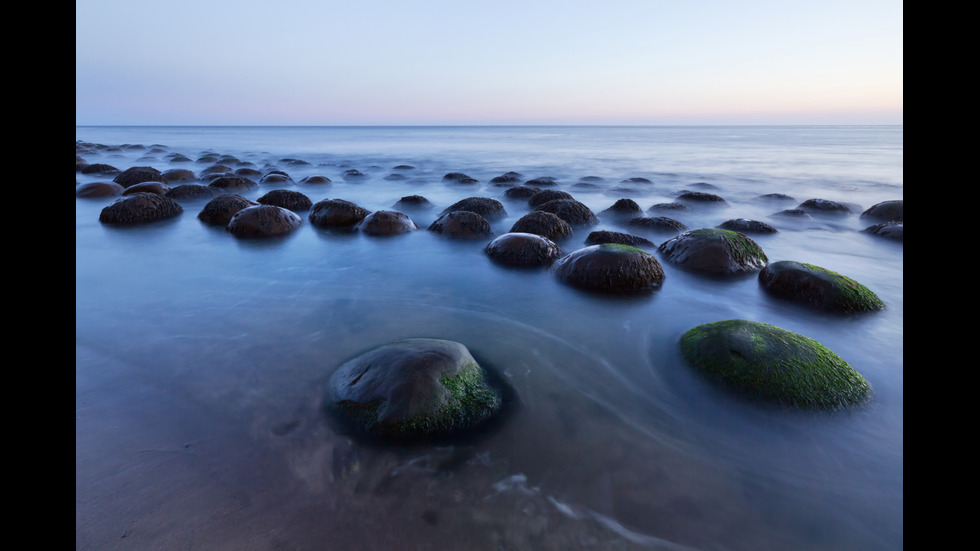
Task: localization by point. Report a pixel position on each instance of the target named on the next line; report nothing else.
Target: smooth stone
(818, 288)
(264, 221)
(491, 209)
(220, 210)
(825, 206)
(287, 199)
(159, 188)
(661, 224)
(192, 192)
(462, 224)
(384, 223)
(336, 214)
(714, 251)
(886, 211)
(523, 250)
(544, 224)
(744, 225)
(571, 211)
(610, 268)
(888, 230)
(599, 237)
(98, 189)
(137, 174)
(233, 184)
(545, 195)
(140, 208)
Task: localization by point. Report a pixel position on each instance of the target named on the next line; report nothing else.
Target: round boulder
(544, 224)
(744, 225)
(192, 192)
(701, 198)
(99, 168)
(825, 206)
(888, 230)
(610, 268)
(384, 223)
(571, 211)
(603, 236)
(714, 251)
(769, 363)
(523, 250)
(98, 189)
(287, 199)
(520, 192)
(491, 209)
(175, 175)
(886, 211)
(313, 180)
(462, 224)
(545, 195)
(138, 174)
(276, 178)
(413, 390)
(263, 221)
(220, 210)
(140, 208)
(660, 224)
(336, 214)
(233, 184)
(624, 208)
(159, 188)
(412, 202)
(818, 288)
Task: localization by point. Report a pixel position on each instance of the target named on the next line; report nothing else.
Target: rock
(662, 224)
(817, 288)
(336, 214)
(888, 230)
(765, 362)
(571, 211)
(825, 206)
(701, 198)
(99, 168)
(220, 210)
(544, 181)
(462, 224)
(248, 172)
(276, 178)
(140, 208)
(624, 208)
(175, 175)
(523, 250)
(412, 202)
(794, 214)
(192, 192)
(458, 177)
(637, 180)
(669, 207)
(886, 211)
(354, 174)
(777, 197)
(233, 184)
(602, 236)
(506, 178)
(138, 174)
(544, 224)
(520, 192)
(413, 390)
(98, 189)
(159, 188)
(384, 223)
(491, 209)
(545, 195)
(287, 199)
(263, 221)
(313, 180)
(610, 268)
(714, 251)
(743, 225)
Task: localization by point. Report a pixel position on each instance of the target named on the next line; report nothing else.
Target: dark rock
(610, 268)
(140, 208)
(220, 210)
(413, 202)
(767, 363)
(459, 178)
(276, 178)
(546, 195)
(817, 288)
(603, 236)
(336, 214)
(217, 169)
(886, 211)
(825, 206)
(248, 172)
(637, 180)
(777, 197)
(413, 390)
(99, 168)
(491, 209)
(313, 180)
(263, 221)
(798, 214)
(701, 198)
(544, 181)
(98, 189)
(660, 224)
(192, 192)
(404, 167)
(287, 199)
(669, 207)
(506, 178)
(624, 208)
(137, 174)
(743, 225)
(384, 223)
(714, 251)
(395, 177)
(354, 174)
(571, 211)
(544, 224)
(233, 184)
(178, 175)
(523, 250)
(888, 230)
(462, 224)
(520, 192)
(159, 188)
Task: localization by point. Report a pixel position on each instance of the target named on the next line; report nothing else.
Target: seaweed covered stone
(413, 390)
(818, 288)
(610, 268)
(262, 221)
(764, 362)
(140, 208)
(523, 250)
(714, 251)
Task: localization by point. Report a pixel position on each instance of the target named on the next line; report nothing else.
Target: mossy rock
(262, 221)
(768, 363)
(413, 390)
(818, 288)
(610, 268)
(714, 251)
(523, 250)
(140, 208)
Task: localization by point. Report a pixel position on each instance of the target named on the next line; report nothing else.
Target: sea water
(201, 359)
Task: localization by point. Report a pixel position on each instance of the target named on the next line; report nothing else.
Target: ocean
(201, 359)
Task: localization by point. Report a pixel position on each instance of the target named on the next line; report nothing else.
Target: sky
(499, 62)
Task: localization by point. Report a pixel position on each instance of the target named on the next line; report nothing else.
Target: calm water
(200, 358)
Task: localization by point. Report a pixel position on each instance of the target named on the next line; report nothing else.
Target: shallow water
(200, 358)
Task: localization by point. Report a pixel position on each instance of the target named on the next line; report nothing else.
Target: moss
(621, 248)
(773, 364)
(744, 250)
(853, 295)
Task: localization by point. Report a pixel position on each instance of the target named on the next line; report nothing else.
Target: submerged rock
(765, 362)
(314, 180)
(233, 184)
(99, 168)
(624, 208)
(603, 236)
(886, 211)
(138, 174)
(610, 268)
(192, 192)
(571, 211)
(264, 221)
(888, 230)
(714, 251)
(825, 206)
(413, 202)
(818, 288)
(544, 224)
(287, 199)
(413, 390)
(140, 208)
(462, 224)
(220, 210)
(662, 224)
(545, 195)
(491, 209)
(98, 189)
(744, 225)
(523, 250)
(159, 188)
(175, 175)
(701, 197)
(521, 192)
(384, 223)
(336, 214)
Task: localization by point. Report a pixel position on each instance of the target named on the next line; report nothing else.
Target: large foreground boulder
(768, 363)
(264, 221)
(610, 268)
(817, 288)
(413, 390)
(714, 251)
(523, 250)
(140, 208)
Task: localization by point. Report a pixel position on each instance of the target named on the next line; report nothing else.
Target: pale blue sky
(306, 62)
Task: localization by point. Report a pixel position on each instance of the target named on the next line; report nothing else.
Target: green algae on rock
(412, 390)
(818, 288)
(715, 251)
(610, 268)
(766, 362)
